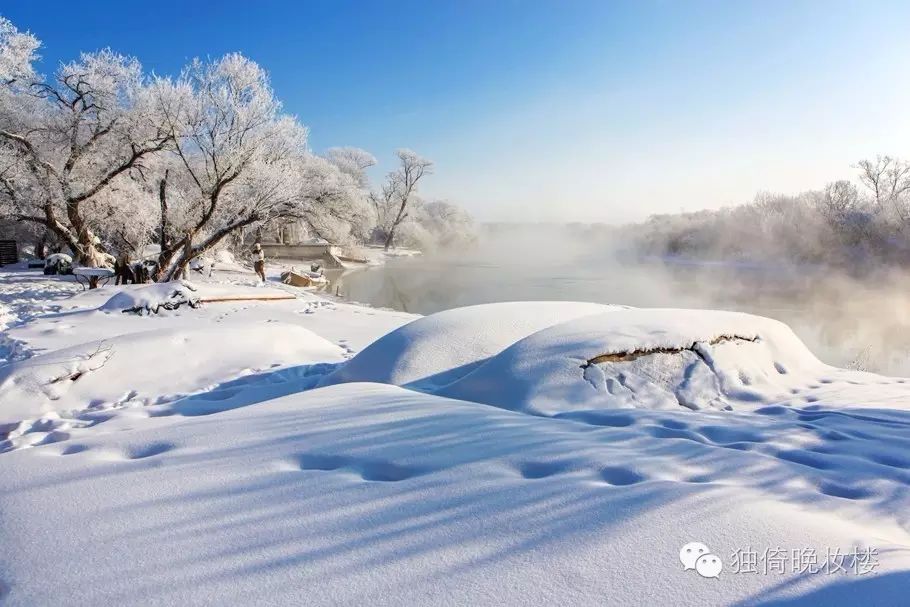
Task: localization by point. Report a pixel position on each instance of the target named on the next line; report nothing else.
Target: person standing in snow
(123, 270)
(259, 261)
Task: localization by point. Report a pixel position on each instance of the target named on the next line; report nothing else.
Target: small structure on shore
(9, 252)
(329, 256)
(302, 278)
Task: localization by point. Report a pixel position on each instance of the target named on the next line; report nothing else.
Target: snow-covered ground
(262, 449)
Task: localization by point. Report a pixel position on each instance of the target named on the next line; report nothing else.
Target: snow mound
(557, 357)
(437, 349)
(151, 367)
(151, 299)
(649, 358)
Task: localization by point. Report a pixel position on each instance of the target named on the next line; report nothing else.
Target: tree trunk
(186, 257)
(41, 247)
(164, 252)
(190, 252)
(177, 267)
(50, 223)
(87, 252)
(390, 236)
(398, 219)
(162, 198)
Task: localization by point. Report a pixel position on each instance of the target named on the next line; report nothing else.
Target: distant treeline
(845, 224)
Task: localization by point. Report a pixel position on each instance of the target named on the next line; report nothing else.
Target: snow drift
(151, 366)
(655, 359)
(437, 349)
(555, 358)
(367, 494)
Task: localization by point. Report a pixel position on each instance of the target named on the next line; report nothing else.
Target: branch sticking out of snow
(87, 364)
(616, 357)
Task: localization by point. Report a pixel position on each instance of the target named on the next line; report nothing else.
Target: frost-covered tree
(66, 140)
(235, 157)
(399, 191)
(103, 159)
(839, 199)
(888, 180)
(448, 223)
(18, 52)
(352, 161)
(840, 225)
(126, 212)
(334, 197)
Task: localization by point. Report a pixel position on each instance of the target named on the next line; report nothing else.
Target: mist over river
(846, 321)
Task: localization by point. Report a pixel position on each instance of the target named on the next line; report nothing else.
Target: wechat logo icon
(699, 557)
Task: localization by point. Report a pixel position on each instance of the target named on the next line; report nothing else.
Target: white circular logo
(699, 557)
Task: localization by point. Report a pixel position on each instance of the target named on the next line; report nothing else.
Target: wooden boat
(299, 278)
(345, 258)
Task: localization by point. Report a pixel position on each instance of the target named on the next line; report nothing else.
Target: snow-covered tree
(334, 198)
(18, 52)
(399, 191)
(838, 199)
(435, 225)
(235, 157)
(450, 224)
(352, 161)
(71, 138)
(888, 180)
(106, 159)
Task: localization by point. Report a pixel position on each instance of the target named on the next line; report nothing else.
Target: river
(844, 321)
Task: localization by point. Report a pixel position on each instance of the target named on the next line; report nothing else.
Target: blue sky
(559, 110)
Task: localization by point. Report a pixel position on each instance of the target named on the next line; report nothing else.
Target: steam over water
(860, 322)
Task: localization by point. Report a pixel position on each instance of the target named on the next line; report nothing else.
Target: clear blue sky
(576, 110)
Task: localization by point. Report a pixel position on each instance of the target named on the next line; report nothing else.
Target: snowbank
(439, 348)
(76, 320)
(151, 367)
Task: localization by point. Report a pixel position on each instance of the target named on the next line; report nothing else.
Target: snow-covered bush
(58, 263)
(152, 299)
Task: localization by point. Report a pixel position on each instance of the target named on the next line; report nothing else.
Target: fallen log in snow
(246, 298)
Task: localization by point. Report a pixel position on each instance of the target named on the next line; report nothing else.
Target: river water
(845, 321)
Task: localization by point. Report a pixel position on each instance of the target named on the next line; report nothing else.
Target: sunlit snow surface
(517, 454)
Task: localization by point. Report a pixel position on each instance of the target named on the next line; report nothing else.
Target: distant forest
(850, 224)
